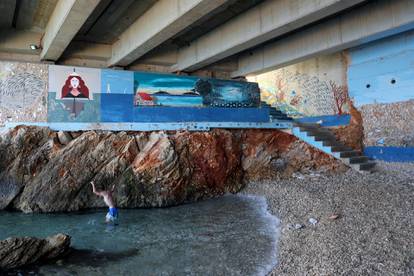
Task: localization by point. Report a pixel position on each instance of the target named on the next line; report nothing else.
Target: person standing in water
(112, 215)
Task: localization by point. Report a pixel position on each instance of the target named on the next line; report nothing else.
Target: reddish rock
(352, 135)
(154, 169)
(269, 152)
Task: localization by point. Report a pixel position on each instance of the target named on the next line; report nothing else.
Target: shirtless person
(112, 215)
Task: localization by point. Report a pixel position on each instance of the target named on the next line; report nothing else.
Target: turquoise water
(179, 100)
(232, 235)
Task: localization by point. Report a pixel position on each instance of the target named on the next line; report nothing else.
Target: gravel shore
(374, 231)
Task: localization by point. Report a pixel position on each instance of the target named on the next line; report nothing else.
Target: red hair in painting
(75, 87)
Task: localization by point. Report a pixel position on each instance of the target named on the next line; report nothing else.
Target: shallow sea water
(231, 235)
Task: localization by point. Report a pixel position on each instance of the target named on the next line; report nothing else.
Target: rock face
(149, 169)
(20, 251)
(352, 135)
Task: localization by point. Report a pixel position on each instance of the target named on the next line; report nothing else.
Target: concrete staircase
(323, 139)
(276, 114)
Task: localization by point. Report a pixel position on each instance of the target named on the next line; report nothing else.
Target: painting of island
(152, 89)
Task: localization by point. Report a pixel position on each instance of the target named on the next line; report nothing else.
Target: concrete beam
(18, 42)
(7, 8)
(66, 20)
(162, 21)
(86, 50)
(376, 19)
(265, 21)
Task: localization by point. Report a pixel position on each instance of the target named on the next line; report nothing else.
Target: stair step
(310, 125)
(276, 114)
(331, 144)
(340, 148)
(308, 129)
(319, 131)
(323, 137)
(351, 153)
(367, 166)
(279, 116)
(356, 159)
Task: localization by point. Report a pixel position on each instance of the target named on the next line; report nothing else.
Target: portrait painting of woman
(75, 87)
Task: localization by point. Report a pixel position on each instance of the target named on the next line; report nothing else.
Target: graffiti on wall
(22, 92)
(93, 95)
(301, 94)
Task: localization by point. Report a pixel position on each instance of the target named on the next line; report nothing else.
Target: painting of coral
(300, 95)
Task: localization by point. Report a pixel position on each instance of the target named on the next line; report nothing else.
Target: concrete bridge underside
(218, 38)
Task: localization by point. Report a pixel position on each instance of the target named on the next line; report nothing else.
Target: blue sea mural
(153, 89)
(117, 82)
(95, 95)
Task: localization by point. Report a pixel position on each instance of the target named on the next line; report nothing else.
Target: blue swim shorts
(112, 214)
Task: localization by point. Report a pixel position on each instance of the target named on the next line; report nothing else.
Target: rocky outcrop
(149, 169)
(21, 251)
(351, 135)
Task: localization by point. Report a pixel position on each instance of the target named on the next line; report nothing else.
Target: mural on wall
(299, 94)
(23, 91)
(93, 95)
(74, 94)
(184, 91)
(315, 87)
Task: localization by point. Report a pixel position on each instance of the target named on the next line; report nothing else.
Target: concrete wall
(315, 87)
(23, 92)
(38, 93)
(381, 80)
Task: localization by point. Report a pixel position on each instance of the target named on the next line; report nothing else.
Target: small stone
(64, 137)
(313, 221)
(298, 226)
(334, 217)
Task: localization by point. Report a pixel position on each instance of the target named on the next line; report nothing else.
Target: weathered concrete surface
(372, 21)
(389, 124)
(162, 21)
(149, 169)
(20, 251)
(265, 21)
(66, 20)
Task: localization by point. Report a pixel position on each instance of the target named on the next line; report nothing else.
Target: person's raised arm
(113, 188)
(94, 189)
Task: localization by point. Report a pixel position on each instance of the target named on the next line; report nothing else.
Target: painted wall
(23, 92)
(79, 94)
(316, 87)
(381, 82)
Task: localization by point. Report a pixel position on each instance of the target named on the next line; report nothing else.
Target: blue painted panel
(117, 107)
(171, 90)
(391, 154)
(382, 71)
(202, 114)
(383, 47)
(117, 82)
(328, 120)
